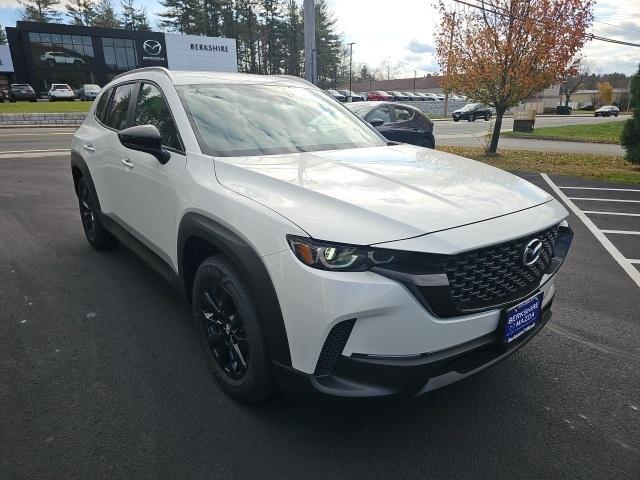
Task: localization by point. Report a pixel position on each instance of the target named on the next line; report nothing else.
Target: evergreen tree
(294, 30)
(330, 49)
(630, 138)
(3, 36)
(179, 15)
(41, 11)
(80, 12)
(105, 15)
(132, 17)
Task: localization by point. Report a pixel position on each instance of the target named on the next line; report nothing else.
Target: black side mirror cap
(144, 138)
(376, 123)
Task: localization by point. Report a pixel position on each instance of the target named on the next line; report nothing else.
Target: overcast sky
(402, 31)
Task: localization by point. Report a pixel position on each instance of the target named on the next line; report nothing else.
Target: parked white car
(315, 254)
(88, 91)
(60, 91)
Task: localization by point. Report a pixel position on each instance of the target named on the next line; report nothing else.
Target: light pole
(313, 64)
(414, 81)
(350, 63)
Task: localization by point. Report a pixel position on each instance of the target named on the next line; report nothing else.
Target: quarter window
(152, 109)
(117, 112)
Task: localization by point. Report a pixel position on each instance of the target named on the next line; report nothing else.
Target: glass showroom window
(119, 53)
(61, 51)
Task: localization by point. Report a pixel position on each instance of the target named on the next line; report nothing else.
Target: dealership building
(44, 53)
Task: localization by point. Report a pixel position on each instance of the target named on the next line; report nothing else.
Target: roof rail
(163, 70)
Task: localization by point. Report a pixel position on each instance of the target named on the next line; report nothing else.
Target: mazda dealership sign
(195, 52)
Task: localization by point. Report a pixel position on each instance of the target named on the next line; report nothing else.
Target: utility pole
(350, 99)
(414, 81)
(446, 93)
(309, 10)
(371, 78)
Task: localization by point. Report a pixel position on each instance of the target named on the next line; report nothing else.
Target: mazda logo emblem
(152, 47)
(532, 252)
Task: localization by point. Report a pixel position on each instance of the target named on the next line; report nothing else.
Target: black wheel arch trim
(248, 261)
(78, 162)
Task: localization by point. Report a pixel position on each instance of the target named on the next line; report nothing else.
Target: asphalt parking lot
(102, 377)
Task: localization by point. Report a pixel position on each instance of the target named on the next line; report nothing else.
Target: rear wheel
(231, 334)
(96, 234)
(487, 117)
(427, 142)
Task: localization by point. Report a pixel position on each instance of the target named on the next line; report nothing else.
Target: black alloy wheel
(224, 330)
(87, 213)
(232, 336)
(96, 234)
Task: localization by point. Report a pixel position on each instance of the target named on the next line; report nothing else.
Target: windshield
(469, 106)
(235, 120)
(92, 88)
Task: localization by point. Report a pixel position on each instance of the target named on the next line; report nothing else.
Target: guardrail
(40, 119)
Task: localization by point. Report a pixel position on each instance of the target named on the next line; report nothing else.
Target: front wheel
(226, 321)
(428, 142)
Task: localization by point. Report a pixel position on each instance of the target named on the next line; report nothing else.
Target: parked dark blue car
(398, 123)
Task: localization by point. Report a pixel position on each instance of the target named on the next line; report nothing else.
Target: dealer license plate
(522, 318)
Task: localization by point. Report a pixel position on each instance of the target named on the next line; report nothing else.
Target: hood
(370, 195)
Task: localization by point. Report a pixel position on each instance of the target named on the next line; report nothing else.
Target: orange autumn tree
(605, 90)
(501, 52)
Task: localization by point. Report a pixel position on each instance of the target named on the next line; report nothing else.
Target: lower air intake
(333, 347)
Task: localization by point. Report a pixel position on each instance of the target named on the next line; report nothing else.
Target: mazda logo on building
(152, 47)
(532, 252)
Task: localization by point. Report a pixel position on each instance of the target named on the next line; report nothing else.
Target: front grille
(333, 347)
(484, 277)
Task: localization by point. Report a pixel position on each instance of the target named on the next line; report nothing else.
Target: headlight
(341, 257)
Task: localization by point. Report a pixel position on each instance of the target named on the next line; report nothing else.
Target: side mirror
(376, 122)
(144, 138)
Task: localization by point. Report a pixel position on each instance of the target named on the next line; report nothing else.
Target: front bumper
(366, 376)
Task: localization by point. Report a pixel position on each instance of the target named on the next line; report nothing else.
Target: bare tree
(574, 82)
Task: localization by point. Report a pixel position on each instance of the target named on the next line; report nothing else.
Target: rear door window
(118, 109)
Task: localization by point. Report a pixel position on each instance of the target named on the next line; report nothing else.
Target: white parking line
(591, 212)
(621, 232)
(634, 260)
(607, 189)
(606, 243)
(603, 199)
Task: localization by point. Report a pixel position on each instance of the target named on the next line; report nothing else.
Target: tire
(96, 234)
(487, 117)
(456, 120)
(221, 301)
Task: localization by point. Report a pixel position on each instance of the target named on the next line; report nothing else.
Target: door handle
(127, 163)
(88, 147)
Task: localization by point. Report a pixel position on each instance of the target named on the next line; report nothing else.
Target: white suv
(315, 254)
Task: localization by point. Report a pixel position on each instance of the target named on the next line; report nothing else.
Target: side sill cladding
(250, 264)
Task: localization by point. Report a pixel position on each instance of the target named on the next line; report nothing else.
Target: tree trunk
(493, 146)
(566, 100)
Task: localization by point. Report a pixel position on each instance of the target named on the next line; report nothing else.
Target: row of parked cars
(393, 96)
(57, 91)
